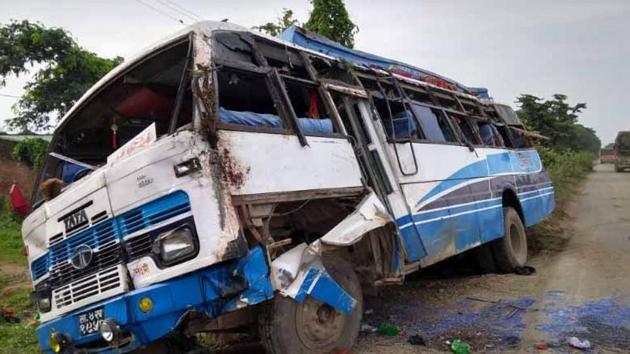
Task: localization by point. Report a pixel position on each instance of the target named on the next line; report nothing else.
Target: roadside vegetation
(15, 288)
(571, 148)
(568, 156)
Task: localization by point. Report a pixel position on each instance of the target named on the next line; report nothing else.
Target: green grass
(11, 245)
(18, 337)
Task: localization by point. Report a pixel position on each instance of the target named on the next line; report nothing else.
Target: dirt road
(581, 287)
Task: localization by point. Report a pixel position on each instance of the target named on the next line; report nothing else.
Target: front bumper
(214, 290)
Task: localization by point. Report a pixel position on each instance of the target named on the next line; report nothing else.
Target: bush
(566, 164)
(565, 167)
(31, 151)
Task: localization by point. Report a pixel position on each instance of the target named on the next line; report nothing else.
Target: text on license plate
(88, 321)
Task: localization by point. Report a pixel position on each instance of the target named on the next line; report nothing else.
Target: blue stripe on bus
(468, 224)
(526, 161)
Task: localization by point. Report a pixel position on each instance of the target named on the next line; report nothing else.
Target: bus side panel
(260, 163)
(535, 189)
(444, 205)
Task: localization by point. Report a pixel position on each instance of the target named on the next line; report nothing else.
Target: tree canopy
(64, 71)
(331, 19)
(282, 23)
(557, 119)
(328, 18)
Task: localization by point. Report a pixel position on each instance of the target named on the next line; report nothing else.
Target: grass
(11, 245)
(14, 288)
(16, 337)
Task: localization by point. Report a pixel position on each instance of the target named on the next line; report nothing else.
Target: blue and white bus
(224, 179)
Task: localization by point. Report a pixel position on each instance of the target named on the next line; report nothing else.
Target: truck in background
(622, 151)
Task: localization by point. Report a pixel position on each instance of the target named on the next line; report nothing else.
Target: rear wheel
(287, 327)
(510, 251)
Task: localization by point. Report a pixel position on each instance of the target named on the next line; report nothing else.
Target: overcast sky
(579, 48)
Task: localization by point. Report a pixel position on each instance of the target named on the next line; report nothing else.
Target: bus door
(362, 125)
(441, 179)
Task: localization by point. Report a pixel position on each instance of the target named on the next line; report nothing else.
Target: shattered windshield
(144, 95)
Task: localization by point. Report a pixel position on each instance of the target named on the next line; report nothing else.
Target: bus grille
(95, 284)
(102, 238)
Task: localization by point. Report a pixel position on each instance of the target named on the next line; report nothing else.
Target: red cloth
(18, 202)
(313, 109)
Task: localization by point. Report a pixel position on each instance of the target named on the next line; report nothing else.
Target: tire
(510, 251)
(286, 327)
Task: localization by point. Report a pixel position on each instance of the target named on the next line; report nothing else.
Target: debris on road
(459, 347)
(541, 346)
(525, 270)
(389, 329)
(366, 328)
(575, 342)
(417, 339)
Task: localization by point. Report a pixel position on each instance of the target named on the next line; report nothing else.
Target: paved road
(581, 287)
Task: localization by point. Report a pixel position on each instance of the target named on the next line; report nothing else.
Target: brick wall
(12, 171)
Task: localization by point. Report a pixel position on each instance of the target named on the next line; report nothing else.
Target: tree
(65, 71)
(330, 19)
(31, 151)
(282, 23)
(557, 120)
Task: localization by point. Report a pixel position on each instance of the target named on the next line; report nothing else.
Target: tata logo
(75, 220)
(81, 256)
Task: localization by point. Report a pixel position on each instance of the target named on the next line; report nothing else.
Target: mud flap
(300, 272)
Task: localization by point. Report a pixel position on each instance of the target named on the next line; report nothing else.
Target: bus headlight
(175, 245)
(110, 331)
(43, 304)
(41, 299)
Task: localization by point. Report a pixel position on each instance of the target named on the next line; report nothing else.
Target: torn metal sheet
(300, 272)
(254, 272)
(369, 215)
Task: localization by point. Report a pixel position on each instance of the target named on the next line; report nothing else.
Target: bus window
(486, 133)
(466, 129)
(503, 131)
(309, 108)
(520, 140)
(402, 124)
(434, 124)
(244, 100)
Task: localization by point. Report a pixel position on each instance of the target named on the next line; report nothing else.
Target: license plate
(88, 321)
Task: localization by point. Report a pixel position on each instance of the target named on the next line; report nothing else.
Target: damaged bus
(225, 180)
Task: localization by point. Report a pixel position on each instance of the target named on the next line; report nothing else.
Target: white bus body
(231, 169)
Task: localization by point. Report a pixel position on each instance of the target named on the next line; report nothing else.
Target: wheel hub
(318, 324)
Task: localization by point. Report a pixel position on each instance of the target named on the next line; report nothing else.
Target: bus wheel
(510, 251)
(286, 327)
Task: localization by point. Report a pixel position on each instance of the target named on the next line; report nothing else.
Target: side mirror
(18, 202)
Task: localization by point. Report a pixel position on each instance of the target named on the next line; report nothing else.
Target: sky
(574, 47)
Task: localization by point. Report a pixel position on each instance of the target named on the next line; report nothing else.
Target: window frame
(276, 88)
